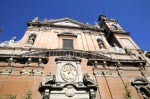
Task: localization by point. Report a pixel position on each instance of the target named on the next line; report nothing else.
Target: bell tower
(115, 34)
(111, 25)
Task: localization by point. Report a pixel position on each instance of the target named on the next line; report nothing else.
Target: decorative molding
(28, 63)
(48, 80)
(121, 73)
(5, 71)
(37, 72)
(107, 73)
(145, 73)
(68, 58)
(26, 71)
(86, 31)
(143, 86)
(67, 23)
(97, 73)
(102, 73)
(10, 61)
(105, 64)
(10, 43)
(70, 91)
(40, 63)
(147, 54)
(67, 34)
(91, 85)
(49, 86)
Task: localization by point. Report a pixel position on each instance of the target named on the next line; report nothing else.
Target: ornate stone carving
(118, 49)
(118, 64)
(141, 65)
(28, 63)
(46, 94)
(31, 39)
(69, 72)
(107, 73)
(96, 25)
(102, 73)
(10, 61)
(70, 91)
(91, 85)
(26, 71)
(67, 34)
(49, 87)
(35, 19)
(67, 23)
(5, 71)
(142, 85)
(105, 64)
(100, 43)
(49, 80)
(37, 72)
(147, 54)
(95, 64)
(105, 18)
(121, 73)
(88, 81)
(145, 73)
(98, 73)
(9, 43)
(128, 51)
(40, 63)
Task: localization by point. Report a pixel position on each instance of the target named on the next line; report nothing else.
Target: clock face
(68, 73)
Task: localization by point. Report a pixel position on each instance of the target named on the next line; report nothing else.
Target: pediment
(68, 22)
(64, 22)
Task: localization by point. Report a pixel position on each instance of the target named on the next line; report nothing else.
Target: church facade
(67, 59)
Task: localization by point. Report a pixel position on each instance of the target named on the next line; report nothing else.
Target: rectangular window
(67, 44)
(127, 43)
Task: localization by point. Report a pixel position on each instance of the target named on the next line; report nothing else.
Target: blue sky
(133, 15)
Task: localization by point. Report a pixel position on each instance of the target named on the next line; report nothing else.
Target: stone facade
(67, 59)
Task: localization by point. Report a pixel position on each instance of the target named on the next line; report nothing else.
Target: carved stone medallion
(68, 73)
(70, 91)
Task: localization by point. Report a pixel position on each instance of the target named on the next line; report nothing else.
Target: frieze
(37, 72)
(102, 73)
(5, 71)
(121, 73)
(62, 52)
(26, 71)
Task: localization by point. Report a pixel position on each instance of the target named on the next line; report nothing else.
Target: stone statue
(30, 42)
(35, 19)
(96, 25)
(13, 39)
(101, 46)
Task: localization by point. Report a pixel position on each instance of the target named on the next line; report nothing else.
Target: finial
(35, 19)
(96, 25)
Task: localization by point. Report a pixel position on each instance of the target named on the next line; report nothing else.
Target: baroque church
(68, 59)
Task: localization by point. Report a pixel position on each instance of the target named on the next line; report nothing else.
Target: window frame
(67, 43)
